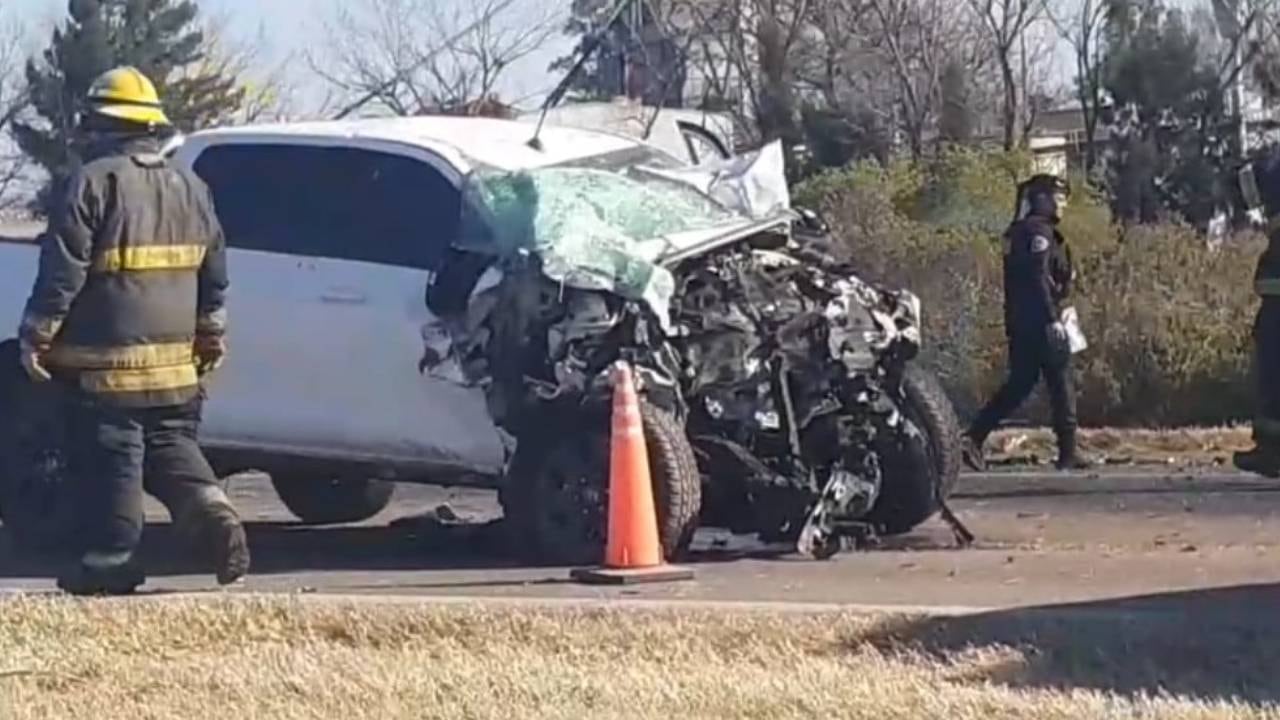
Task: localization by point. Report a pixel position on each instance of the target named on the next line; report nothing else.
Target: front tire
(916, 473)
(333, 501)
(555, 499)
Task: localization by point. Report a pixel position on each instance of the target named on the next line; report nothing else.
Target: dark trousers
(116, 454)
(1030, 357)
(1266, 372)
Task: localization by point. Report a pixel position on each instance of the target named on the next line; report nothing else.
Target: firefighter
(1259, 184)
(1037, 280)
(127, 315)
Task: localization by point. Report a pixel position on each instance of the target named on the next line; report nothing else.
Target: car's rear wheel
(331, 501)
(36, 507)
(916, 473)
(556, 496)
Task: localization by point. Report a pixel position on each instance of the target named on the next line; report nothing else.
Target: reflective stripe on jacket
(132, 268)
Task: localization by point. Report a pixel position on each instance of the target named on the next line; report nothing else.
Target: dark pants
(115, 454)
(1030, 357)
(1266, 371)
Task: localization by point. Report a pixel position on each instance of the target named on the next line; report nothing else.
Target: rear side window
(342, 203)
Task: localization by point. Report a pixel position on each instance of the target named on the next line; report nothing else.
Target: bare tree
(1247, 28)
(1006, 23)
(767, 58)
(414, 56)
(895, 54)
(15, 180)
(914, 38)
(267, 90)
(877, 64)
(746, 53)
(1039, 85)
(1081, 24)
(655, 40)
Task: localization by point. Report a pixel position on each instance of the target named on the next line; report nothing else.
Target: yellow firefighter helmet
(126, 94)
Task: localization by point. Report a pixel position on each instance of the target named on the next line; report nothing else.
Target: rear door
(330, 250)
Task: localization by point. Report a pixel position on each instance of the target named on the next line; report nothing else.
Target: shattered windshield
(599, 224)
(615, 200)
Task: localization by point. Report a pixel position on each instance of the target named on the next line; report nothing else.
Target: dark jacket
(132, 268)
(1266, 277)
(1037, 275)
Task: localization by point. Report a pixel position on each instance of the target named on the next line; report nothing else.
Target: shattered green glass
(591, 228)
(546, 208)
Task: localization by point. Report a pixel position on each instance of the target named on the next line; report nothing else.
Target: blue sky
(290, 27)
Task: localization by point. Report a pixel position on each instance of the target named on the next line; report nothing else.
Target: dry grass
(288, 659)
(1181, 446)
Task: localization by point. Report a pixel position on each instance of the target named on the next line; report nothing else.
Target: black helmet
(1043, 194)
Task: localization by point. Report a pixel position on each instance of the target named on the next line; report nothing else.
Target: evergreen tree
(159, 37)
(837, 137)
(1170, 125)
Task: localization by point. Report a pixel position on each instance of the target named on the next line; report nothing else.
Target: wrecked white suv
(437, 300)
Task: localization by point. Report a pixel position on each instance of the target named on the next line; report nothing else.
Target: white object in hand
(1075, 336)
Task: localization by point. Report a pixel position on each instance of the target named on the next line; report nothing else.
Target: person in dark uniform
(1037, 280)
(1260, 189)
(127, 313)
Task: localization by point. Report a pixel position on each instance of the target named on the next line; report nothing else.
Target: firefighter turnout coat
(132, 269)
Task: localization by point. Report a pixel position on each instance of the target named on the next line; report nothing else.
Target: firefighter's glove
(32, 358)
(210, 351)
(1057, 334)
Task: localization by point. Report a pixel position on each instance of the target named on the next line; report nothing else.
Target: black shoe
(89, 580)
(1258, 461)
(1069, 458)
(971, 453)
(1073, 461)
(213, 532)
(229, 545)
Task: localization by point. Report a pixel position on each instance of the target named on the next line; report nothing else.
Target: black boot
(230, 546)
(1261, 460)
(94, 575)
(971, 452)
(1069, 456)
(213, 530)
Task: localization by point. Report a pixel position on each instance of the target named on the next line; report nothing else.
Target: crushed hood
(613, 229)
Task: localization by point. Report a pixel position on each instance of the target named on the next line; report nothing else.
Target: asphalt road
(1123, 539)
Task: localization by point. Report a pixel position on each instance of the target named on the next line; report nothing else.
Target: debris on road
(1182, 447)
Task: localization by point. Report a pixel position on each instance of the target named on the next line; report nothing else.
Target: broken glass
(591, 227)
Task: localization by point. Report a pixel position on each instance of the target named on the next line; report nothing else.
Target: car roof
(464, 141)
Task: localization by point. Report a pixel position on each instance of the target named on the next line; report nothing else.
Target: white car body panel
(462, 142)
(323, 364)
(323, 353)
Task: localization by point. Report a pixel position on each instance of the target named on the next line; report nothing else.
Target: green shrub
(1167, 317)
(1169, 320)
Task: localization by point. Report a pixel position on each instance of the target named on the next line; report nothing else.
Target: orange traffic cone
(633, 553)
